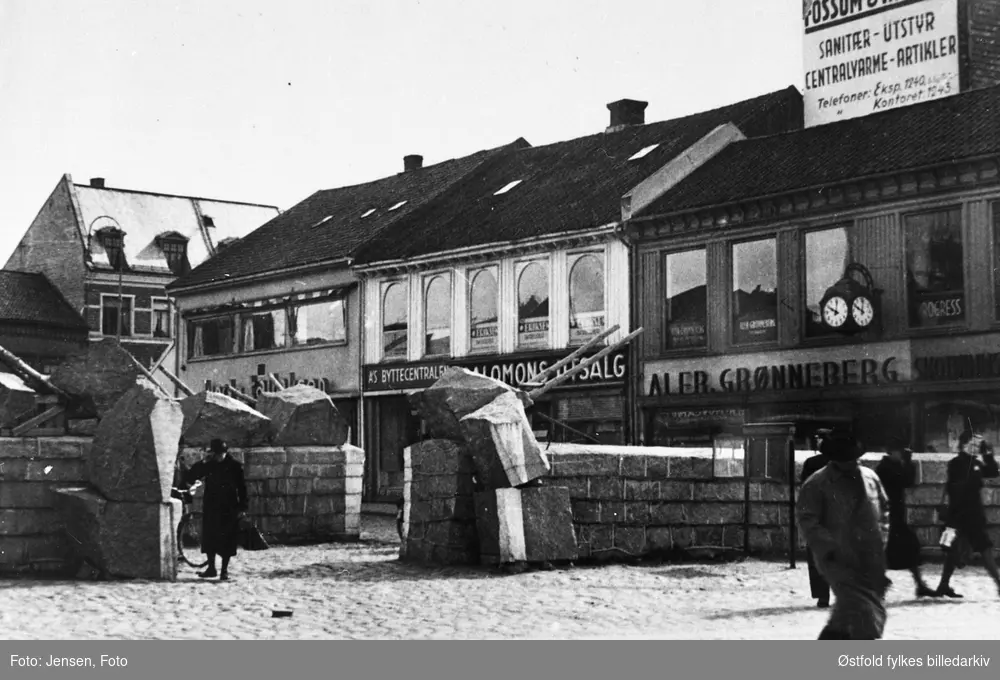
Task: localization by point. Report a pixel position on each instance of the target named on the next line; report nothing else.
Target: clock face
(835, 312)
(862, 311)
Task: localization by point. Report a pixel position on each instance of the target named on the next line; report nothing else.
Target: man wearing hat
(818, 587)
(224, 503)
(843, 512)
(897, 473)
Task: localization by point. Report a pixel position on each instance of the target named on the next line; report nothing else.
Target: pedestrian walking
(818, 587)
(843, 512)
(965, 514)
(224, 504)
(897, 473)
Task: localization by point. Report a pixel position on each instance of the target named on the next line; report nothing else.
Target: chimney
(626, 112)
(97, 182)
(412, 162)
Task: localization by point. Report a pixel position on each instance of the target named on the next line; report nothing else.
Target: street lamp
(112, 239)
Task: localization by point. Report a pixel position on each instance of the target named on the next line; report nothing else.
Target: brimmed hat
(841, 446)
(218, 446)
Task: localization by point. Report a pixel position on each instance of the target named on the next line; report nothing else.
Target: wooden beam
(146, 372)
(275, 380)
(177, 381)
(236, 394)
(539, 391)
(538, 378)
(163, 356)
(30, 376)
(41, 418)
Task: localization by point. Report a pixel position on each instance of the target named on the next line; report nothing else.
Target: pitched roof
(31, 298)
(961, 126)
(568, 186)
(144, 216)
(331, 224)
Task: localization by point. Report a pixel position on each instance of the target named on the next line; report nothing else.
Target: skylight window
(507, 187)
(368, 212)
(398, 205)
(323, 221)
(642, 152)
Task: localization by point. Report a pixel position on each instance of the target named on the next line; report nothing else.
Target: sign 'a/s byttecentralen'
(867, 56)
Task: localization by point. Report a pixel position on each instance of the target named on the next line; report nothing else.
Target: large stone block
(213, 415)
(97, 376)
(121, 539)
(17, 400)
(525, 525)
(502, 444)
(439, 457)
(456, 394)
(135, 448)
(302, 415)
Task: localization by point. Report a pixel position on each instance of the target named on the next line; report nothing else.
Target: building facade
(37, 324)
(735, 261)
(522, 263)
(111, 253)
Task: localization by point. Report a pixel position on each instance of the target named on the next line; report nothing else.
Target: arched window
(483, 327)
(437, 316)
(533, 305)
(394, 302)
(586, 298)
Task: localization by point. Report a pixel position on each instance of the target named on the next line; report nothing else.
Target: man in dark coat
(897, 473)
(818, 587)
(844, 513)
(225, 502)
(966, 514)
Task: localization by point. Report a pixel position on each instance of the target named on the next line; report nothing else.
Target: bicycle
(189, 529)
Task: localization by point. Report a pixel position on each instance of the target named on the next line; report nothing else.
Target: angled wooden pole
(30, 376)
(538, 378)
(146, 372)
(275, 380)
(162, 358)
(41, 418)
(535, 393)
(177, 381)
(239, 396)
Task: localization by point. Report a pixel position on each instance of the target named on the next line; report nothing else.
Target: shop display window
(755, 292)
(828, 252)
(437, 316)
(935, 268)
(394, 321)
(263, 331)
(532, 305)
(484, 332)
(586, 298)
(210, 337)
(316, 323)
(686, 313)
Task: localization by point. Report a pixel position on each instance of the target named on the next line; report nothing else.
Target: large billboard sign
(868, 56)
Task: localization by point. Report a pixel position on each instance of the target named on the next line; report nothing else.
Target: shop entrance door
(769, 474)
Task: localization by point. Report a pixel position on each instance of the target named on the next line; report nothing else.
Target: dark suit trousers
(818, 586)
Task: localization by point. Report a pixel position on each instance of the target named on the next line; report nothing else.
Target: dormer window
(174, 249)
(112, 240)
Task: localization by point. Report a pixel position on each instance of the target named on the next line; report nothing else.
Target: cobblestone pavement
(361, 590)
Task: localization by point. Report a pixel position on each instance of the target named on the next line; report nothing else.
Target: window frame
(664, 299)
(471, 276)
(520, 266)
(425, 285)
(730, 302)
(573, 258)
(131, 318)
(966, 320)
(234, 349)
(249, 313)
(833, 337)
(384, 288)
(170, 317)
(289, 335)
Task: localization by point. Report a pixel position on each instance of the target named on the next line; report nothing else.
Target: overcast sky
(267, 102)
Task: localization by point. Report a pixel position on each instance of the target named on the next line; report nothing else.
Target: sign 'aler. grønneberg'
(857, 365)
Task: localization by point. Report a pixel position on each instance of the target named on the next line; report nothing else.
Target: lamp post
(112, 239)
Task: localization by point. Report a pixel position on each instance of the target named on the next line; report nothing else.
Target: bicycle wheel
(189, 540)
